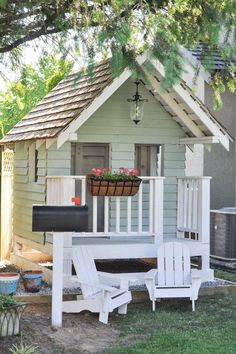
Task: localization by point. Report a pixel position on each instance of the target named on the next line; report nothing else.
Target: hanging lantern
(137, 105)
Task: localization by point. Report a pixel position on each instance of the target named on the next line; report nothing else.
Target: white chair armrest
(116, 276)
(196, 283)
(151, 274)
(195, 273)
(94, 285)
(150, 280)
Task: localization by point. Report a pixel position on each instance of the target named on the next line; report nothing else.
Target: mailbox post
(62, 221)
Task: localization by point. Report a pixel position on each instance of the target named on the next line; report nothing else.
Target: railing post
(83, 191)
(204, 209)
(180, 207)
(204, 224)
(57, 279)
(60, 190)
(158, 209)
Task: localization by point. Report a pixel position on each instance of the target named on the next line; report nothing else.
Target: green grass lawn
(225, 275)
(175, 329)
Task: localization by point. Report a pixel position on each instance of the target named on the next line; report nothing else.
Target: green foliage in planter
(6, 301)
(106, 174)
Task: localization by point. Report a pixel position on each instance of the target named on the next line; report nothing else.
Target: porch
(133, 227)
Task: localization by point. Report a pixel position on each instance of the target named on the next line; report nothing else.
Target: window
(33, 163)
(148, 160)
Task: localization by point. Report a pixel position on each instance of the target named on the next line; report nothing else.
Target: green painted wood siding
(111, 124)
(59, 160)
(27, 193)
(50, 162)
(173, 167)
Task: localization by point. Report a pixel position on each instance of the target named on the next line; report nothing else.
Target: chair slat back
(173, 264)
(86, 270)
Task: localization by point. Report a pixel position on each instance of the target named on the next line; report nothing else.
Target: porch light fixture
(137, 105)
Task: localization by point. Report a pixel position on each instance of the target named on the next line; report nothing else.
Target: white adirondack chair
(97, 296)
(174, 277)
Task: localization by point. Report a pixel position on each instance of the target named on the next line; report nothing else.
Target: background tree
(20, 96)
(123, 29)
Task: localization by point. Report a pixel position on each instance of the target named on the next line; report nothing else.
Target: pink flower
(107, 173)
(133, 172)
(97, 171)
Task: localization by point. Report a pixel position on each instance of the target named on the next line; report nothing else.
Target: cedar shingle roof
(73, 95)
(60, 106)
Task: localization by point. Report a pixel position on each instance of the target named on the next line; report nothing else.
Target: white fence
(194, 208)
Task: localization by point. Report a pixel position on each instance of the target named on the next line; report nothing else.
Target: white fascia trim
(176, 108)
(97, 102)
(195, 107)
(92, 108)
(202, 140)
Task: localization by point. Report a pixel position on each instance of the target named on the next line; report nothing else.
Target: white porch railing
(193, 208)
(128, 218)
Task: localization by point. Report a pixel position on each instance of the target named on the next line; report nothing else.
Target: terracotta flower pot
(32, 280)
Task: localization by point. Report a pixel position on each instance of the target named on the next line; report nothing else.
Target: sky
(31, 55)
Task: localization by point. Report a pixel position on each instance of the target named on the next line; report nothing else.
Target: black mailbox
(60, 218)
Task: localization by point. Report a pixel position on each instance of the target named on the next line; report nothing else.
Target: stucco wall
(219, 163)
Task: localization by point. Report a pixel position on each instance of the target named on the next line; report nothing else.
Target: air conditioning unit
(223, 233)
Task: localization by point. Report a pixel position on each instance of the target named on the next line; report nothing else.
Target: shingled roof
(60, 106)
(211, 60)
(74, 99)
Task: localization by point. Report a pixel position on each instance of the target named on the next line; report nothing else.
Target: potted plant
(9, 283)
(10, 314)
(105, 182)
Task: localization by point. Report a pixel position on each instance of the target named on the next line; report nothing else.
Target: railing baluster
(151, 206)
(95, 213)
(185, 192)
(129, 214)
(117, 214)
(83, 191)
(140, 208)
(190, 199)
(195, 205)
(106, 214)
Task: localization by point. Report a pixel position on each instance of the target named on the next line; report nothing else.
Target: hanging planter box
(10, 320)
(111, 188)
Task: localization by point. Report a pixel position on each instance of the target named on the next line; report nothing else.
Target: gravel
(47, 290)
